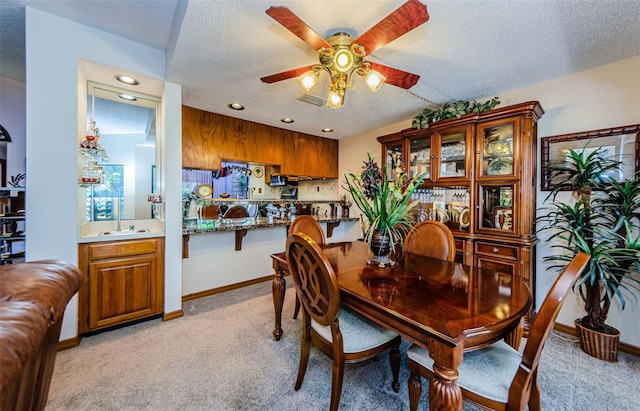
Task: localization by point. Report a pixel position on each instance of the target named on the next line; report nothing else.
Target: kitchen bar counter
(220, 201)
(241, 225)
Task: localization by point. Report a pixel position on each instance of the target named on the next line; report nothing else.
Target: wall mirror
(126, 124)
(619, 143)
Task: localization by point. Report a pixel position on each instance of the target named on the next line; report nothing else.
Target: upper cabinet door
(393, 158)
(420, 155)
(497, 148)
(452, 154)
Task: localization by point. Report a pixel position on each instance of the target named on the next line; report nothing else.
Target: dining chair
(432, 239)
(311, 227)
(498, 377)
(337, 331)
(209, 212)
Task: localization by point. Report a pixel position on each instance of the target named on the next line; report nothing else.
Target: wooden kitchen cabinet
(310, 156)
(124, 281)
(210, 138)
(481, 172)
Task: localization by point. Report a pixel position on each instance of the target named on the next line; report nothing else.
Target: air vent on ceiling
(311, 99)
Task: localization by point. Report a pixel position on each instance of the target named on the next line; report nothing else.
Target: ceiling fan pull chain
(424, 99)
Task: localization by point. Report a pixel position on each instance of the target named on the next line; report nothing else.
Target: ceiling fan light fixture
(343, 60)
(374, 80)
(335, 99)
(309, 79)
(341, 55)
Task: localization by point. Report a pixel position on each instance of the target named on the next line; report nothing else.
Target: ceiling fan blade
(404, 19)
(298, 27)
(396, 77)
(286, 74)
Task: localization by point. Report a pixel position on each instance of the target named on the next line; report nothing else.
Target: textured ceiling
(218, 50)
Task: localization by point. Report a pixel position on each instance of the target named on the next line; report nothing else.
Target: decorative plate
(464, 218)
(205, 190)
(500, 166)
(258, 172)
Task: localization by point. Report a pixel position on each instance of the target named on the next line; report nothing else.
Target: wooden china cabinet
(481, 182)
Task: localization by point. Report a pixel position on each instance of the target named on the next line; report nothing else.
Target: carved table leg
(278, 289)
(444, 391)
(515, 336)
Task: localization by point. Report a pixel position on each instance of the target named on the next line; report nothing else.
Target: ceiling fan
(341, 55)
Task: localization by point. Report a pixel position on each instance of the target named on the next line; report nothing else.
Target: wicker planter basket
(601, 345)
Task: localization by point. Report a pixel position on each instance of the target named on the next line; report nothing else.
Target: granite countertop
(264, 201)
(250, 223)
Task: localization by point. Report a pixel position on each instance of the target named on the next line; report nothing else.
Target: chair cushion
(358, 333)
(487, 372)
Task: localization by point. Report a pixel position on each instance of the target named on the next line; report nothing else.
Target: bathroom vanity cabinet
(124, 281)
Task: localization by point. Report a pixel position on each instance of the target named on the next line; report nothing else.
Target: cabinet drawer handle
(495, 250)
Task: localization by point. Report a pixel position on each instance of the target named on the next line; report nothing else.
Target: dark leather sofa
(33, 297)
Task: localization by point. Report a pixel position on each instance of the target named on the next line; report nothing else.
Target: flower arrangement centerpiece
(385, 204)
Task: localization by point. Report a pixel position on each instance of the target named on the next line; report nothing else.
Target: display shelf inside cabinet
(97, 154)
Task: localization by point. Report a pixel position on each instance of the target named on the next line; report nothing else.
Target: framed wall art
(619, 143)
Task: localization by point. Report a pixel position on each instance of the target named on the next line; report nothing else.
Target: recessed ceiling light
(127, 97)
(286, 120)
(327, 130)
(236, 106)
(127, 79)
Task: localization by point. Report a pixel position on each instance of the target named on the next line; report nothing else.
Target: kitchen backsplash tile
(318, 190)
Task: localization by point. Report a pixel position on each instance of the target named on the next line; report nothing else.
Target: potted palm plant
(386, 205)
(604, 221)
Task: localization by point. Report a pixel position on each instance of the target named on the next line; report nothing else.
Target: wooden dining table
(446, 307)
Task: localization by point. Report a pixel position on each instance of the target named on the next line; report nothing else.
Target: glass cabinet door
(393, 159)
(496, 208)
(420, 157)
(496, 147)
(453, 154)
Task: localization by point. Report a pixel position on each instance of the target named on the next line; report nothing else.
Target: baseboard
(172, 315)
(626, 348)
(214, 291)
(69, 343)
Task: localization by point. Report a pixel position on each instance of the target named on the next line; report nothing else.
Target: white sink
(108, 230)
(124, 232)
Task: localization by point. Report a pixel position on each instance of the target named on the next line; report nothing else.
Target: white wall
(12, 118)
(55, 123)
(603, 97)
(214, 263)
(171, 171)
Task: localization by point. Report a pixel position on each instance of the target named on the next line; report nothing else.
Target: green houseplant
(604, 221)
(385, 204)
(455, 109)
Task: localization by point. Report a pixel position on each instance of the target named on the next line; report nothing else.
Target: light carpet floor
(222, 356)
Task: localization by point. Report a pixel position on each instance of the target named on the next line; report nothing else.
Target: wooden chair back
(210, 212)
(315, 281)
(236, 212)
(317, 288)
(432, 239)
(539, 332)
(310, 226)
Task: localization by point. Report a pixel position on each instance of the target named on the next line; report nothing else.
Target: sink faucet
(132, 227)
